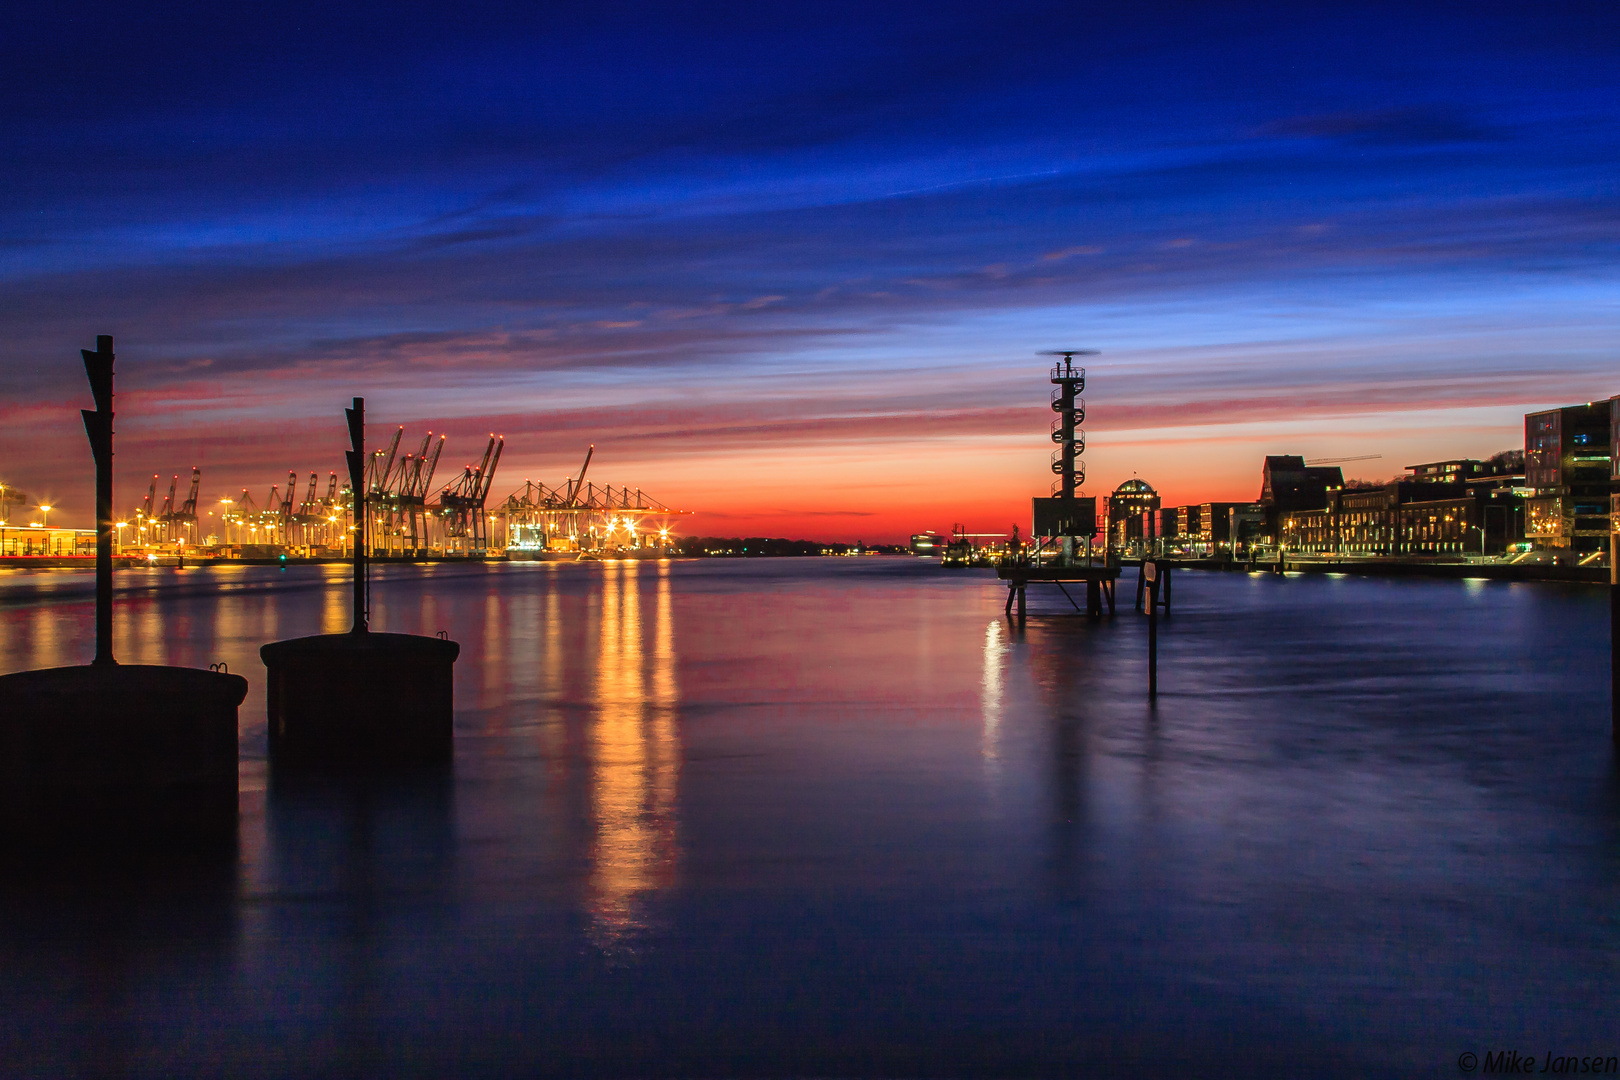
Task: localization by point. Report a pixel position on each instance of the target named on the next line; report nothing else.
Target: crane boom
(151, 497)
(189, 510)
(411, 484)
(383, 463)
(573, 488)
(168, 500)
(477, 474)
(433, 464)
(488, 477)
(1338, 460)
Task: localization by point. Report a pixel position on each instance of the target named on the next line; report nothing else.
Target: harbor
(406, 518)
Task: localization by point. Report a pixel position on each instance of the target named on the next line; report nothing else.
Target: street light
(45, 514)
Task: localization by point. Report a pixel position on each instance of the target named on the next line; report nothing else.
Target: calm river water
(839, 816)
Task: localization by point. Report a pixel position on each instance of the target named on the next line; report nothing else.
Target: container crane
(432, 466)
(286, 511)
(382, 464)
(186, 516)
(307, 508)
(579, 517)
(414, 486)
(189, 509)
(461, 502)
(167, 513)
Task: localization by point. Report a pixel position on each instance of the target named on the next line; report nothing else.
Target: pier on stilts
(1099, 581)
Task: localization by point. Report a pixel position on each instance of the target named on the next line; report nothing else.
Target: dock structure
(1098, 578)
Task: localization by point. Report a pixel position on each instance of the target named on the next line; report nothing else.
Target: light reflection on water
(842, 814)
(990, 704)
(634, 755)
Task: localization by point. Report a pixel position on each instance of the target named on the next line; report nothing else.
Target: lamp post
(45, 515)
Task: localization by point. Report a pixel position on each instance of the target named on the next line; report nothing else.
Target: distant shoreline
(1586, 575)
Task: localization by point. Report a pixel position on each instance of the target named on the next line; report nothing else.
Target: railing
(1079, 405)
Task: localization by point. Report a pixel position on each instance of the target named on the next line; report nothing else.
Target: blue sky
(791, 268)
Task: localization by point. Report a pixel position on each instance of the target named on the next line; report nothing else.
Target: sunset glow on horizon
(792, 271)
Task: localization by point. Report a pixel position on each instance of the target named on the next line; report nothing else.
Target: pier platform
(1099, 580)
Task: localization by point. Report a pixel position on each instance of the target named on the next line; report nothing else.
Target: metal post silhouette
(1150, 571)
(357, 483)
(98, 425)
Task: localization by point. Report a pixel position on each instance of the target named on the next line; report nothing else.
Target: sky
(790, 267)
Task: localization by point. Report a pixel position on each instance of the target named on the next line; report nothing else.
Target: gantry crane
(177, 517)
(461, 502)
(307, 508)
(396, 495)
(189, 510)
(168, 500)
(143, 516)
(580, 517)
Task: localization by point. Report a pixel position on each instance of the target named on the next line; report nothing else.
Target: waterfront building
(1288, 486)
(1410, 517)
(1309, 531)
(1444, 526)
(1248, 526)
(1125, 508)
(1504, 470)
(1215, 525)
(1189, 525)
(37, 540)
(1456, 470)
(1368, 517)
(1569, 468)
(1168, 515)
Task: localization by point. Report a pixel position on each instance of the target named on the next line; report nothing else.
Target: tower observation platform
(1067, 515)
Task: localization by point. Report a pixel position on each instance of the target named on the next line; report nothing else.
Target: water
(839, 816)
